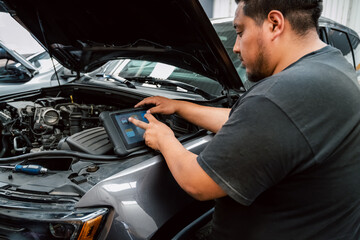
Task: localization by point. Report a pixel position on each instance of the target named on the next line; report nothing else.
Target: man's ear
(275, 23)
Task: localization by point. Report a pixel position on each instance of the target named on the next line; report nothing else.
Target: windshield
(130, 69)
(7, 75)
(227, 35)
(41, 60)
(138, 68)
(11, 70)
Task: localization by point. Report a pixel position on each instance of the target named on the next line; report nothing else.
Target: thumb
(156, 109)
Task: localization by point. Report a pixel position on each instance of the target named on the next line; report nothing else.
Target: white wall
(15, 37)
(224, 8)
(346, 12)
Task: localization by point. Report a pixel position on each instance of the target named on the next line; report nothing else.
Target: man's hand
(182, 163)
(210, 118)
(162, 105)
(156, 133)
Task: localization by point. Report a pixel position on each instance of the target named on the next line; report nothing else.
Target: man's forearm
(187, 172)
(210, 118)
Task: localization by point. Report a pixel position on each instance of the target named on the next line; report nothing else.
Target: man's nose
(236, 48)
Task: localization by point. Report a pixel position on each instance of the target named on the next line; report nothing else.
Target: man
(285, 164)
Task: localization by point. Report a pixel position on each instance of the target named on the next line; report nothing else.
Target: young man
(285, 161)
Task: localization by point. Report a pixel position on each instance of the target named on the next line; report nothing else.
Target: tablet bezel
(113, 115)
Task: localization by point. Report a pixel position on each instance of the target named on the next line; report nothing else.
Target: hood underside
(83, 35)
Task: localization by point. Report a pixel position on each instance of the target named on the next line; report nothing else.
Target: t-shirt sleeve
(255, 149)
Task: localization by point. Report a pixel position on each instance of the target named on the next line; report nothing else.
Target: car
(20, 74)
(24, 63)
(16, 69)
(72, 167)
(343, 38)
(89, 190)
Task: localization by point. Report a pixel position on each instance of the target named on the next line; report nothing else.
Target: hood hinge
(226, 92)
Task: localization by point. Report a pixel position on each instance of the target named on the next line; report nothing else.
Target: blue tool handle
(30, 169)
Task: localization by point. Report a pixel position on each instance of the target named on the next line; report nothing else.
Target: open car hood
(83, 35)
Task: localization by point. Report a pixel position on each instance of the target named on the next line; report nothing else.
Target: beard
(260, 66)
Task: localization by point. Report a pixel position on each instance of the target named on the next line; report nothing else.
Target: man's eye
(239, 34)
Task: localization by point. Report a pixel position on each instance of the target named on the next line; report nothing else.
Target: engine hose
(4, 145)
(24, 137)
(16, 148)
(87, 156)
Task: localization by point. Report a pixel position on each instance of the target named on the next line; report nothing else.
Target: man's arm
(188, 173)
(181, 162)
(210, 118)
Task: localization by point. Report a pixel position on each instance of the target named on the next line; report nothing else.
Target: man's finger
(138, 123)
(139, 104)
(145, 101)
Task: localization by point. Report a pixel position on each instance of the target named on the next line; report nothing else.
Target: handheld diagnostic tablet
(125, 136)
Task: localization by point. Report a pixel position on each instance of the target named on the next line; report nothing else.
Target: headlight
(82, 224)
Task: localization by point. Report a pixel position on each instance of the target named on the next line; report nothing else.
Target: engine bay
(63, 123)
(62, 131)
(34, 126)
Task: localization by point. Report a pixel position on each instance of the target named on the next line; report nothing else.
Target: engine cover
(94, 141)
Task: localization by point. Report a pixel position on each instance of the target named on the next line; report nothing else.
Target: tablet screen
(131, 134)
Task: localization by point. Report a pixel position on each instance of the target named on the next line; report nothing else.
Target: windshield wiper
(167, 82)
(117, 79)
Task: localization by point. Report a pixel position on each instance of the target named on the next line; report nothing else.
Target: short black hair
(302, 14)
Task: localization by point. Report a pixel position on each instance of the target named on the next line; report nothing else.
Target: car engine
(28, 126)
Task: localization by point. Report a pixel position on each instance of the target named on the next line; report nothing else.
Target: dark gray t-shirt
(289, 155)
